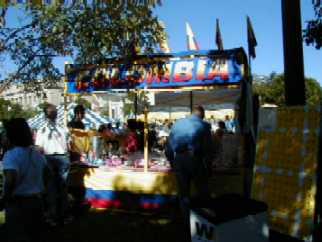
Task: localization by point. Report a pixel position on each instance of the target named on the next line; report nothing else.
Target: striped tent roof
(91, 118)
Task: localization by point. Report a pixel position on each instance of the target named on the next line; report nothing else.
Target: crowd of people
(36, 167)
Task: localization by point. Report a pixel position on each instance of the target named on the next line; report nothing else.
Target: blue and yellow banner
(193, 69)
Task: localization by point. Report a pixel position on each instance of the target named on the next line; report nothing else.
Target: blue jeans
(57, 198)
(189, 168)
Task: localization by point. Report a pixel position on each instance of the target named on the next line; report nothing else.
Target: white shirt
(52, 138)
(29, 165)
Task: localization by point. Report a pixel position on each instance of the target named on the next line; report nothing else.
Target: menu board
(286, 167)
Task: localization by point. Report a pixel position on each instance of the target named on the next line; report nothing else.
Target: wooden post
(65, 107)
(293, 53)
(146, 140)
(136, 105)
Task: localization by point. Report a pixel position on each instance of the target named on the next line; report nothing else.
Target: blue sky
(266, 18)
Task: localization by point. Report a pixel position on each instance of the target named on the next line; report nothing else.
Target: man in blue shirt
(189, 150)
(229, 123)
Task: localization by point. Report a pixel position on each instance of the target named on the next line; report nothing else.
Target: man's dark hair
(222, 124)
(18, 132)
(102, 128)
(47, 106)
(132, 124)
(79, 109)
(200, 111)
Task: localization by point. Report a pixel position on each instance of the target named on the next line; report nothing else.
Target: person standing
(189, 150)
(52, 141)
(79, 114)
(77, 191)
(229, 124)
(24, 182)
(76, 123)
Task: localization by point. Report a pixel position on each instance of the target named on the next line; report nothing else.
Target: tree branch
(5, 83)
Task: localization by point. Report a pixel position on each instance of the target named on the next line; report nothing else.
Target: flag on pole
(219, 42)
(164, 42)
(191, 40)
(252, 42)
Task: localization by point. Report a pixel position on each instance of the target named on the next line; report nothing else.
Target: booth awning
(91, 118)
(169, 71)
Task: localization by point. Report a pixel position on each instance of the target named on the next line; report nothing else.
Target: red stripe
(104, 203)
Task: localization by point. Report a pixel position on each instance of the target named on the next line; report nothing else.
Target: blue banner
(172, 73)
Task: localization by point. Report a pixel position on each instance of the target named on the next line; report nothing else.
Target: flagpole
(250, 75)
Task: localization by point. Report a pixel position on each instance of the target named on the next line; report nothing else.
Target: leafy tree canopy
(88, 33)
(313, 31)
(272, 90)
(10, 110)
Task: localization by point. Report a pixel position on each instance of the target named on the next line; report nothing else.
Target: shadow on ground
(119, 226)
(124, 226)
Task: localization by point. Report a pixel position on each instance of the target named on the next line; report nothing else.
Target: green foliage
(41, 106)
(272, 90)
(105, 113)
(313, 91)
(83, 102)
(10, 110)
(88, 33)
(313, 31)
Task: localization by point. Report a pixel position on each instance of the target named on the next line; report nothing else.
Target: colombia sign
(172, 71)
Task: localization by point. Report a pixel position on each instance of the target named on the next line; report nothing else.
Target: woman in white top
(24, 182)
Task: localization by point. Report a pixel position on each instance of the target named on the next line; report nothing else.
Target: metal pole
(293, 53)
